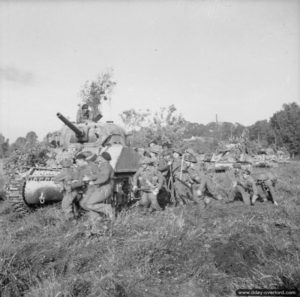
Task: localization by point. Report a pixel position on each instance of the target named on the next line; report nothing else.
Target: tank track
(15, 196)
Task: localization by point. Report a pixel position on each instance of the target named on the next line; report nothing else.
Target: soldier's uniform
(67, 180)
(159, 161)
(83, 114)
(150, 181)
(203, 184)
(243, 182)
(266, 183)
(184, 178)
(99, 190)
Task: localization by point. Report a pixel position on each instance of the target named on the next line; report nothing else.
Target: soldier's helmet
(190, 158)
(85, 106)
(106, 156)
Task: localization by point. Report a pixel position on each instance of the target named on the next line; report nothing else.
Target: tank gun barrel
(79, 133)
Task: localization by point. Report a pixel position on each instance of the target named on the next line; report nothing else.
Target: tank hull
(40, 188)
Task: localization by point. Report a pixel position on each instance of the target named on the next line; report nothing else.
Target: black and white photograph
(149, 148)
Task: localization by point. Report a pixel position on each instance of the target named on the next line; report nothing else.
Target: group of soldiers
(173, 173)
(187, 179)
(86, 185)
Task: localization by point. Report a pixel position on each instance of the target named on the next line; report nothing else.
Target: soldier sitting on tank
(243, 185)
(83, 114)
(266, 184)
(100, 190)
(149, 181)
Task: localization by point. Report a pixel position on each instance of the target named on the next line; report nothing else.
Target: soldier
(243, 185)
(149, 180)
(266, 183)
(83, 114)
(100, 189)
(155, 154)
(69, 189)
(204, 186)
(184, 179)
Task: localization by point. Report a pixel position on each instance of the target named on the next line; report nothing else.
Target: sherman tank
(36, 187)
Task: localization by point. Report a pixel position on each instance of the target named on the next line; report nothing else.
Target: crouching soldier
(243, 185)
(100, 189)
(205, 187)
(202, 185)
(185, 179)
(149, 180)
(72, 186)
(266, 183)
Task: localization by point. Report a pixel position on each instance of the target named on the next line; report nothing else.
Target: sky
(237, 59)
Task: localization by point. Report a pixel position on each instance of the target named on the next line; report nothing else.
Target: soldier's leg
(95, 201)
(272, 194)
(103, 208)
(153, 202)
(87, 195)
(144, 201)
(96, 195)
(244, 194)
(232, 194)
(94, 218)
(67, 204)
(206, 201)
(211, 189)
(180, 193)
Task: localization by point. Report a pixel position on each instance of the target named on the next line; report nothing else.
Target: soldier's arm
(195, 175)
(136, 176)
(93, 172)
(60, 177)
(253, 185)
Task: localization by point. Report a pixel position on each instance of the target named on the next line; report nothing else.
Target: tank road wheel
(244, 195)
(15, 196)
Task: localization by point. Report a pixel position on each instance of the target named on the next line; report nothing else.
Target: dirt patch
(80, 288)
(236, 257)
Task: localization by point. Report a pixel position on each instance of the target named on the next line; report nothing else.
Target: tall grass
(184, 251)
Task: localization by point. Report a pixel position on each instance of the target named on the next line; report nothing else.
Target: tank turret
(80, 133)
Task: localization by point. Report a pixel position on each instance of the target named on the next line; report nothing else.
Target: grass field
(184, 251)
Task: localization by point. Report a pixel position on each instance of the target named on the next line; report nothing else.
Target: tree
(286, 126)
(133, 120)
(18, 144)
(4, 146)
(95, 91)
(262, 132)
(165, 125)
(168, 125)
(31, 139)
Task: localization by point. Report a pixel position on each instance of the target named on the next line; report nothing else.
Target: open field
(185, 251)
